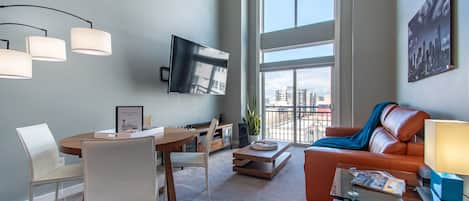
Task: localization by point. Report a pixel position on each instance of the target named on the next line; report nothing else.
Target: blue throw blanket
(360, 140)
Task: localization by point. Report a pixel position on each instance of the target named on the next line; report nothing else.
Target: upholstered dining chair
(197, 159)
(45, 164)
(120, 170)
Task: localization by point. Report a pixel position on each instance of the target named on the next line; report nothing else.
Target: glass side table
(343, 190)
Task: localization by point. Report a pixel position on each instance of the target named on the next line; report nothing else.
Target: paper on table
(111, 134)
(151, 132)
(109, 131)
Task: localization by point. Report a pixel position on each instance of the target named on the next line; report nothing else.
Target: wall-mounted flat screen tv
(197, 69)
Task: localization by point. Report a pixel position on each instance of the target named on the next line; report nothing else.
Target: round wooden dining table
(171, 140)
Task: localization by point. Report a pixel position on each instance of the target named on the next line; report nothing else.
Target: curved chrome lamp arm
(49, 8)
(7, 42)
(26, 25)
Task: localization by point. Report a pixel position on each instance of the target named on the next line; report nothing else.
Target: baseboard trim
(65, 192)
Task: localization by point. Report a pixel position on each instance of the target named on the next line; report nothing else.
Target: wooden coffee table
(263, 164)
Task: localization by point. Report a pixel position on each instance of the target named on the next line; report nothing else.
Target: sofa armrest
(341, 132)
(320, 165)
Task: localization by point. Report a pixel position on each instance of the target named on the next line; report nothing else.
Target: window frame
(265, 43)
(312, 59)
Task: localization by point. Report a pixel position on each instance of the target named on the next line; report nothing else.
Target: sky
(280, 14)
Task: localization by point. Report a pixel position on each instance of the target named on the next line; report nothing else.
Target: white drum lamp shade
(46, 48)
(91, 41)
(15, 64)
(447, 146)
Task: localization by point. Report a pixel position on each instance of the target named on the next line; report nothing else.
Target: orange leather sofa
(393, 146)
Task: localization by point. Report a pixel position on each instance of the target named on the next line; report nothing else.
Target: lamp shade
(15, 64)
(447, 146)
(46, 48)
(91, 41)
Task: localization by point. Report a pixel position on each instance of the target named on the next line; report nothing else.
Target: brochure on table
(111, 133)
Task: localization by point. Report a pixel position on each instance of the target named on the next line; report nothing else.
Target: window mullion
(296, 13)
(295, 108)
(262, 20)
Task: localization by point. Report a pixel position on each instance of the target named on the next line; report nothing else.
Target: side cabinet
(222, 138)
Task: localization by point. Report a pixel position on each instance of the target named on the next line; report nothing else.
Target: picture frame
(430, 42)
(129, 119)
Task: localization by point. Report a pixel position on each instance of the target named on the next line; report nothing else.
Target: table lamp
(447, 154)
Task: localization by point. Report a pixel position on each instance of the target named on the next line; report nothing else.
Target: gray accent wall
(80, 94)
(445, 95)
(253, 72)
(234, 39)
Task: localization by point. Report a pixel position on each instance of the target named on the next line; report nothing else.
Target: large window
(285, 14)
(297, 61)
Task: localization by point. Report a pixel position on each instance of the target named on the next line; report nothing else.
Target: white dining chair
(45, 164)
(197, 159)
(120, 170)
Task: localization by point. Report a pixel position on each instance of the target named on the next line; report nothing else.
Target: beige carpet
(288, 185)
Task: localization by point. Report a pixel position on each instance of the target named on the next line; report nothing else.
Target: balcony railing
(311, 123)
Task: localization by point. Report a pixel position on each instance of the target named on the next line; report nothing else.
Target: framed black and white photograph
(129, 118)
(430, 40)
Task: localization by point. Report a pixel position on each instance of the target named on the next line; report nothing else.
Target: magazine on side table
(370, 184)
(378, 180)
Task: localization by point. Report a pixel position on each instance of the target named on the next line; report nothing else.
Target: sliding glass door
(297, 104)
(278, 105)
(313, 103)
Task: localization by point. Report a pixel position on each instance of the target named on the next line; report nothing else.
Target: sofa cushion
(415, 149)
(387, 110)
(404, 123)
(385, 143)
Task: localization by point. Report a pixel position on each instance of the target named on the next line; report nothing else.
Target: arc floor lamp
(83, 40)
(18, 65)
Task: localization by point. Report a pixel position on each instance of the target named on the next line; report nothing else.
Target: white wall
(80, 95)
(373, 56)
(367, 56)
(445, 95)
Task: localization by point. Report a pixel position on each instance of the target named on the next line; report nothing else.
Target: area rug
(226, 185)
